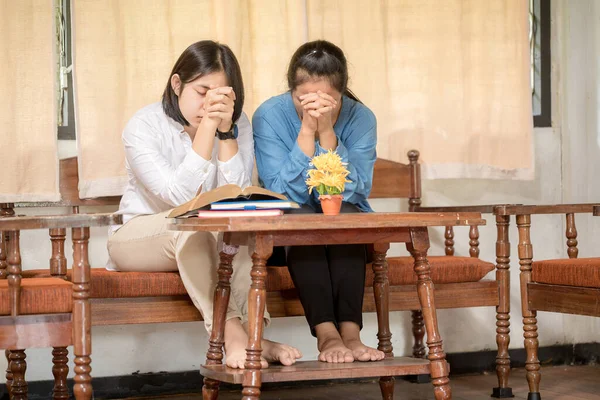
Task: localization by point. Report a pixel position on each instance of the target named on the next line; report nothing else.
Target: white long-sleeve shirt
(163, 169)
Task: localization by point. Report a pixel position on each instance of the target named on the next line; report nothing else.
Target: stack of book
(232, 201)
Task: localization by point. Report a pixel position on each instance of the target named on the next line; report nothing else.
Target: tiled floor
(558, 383)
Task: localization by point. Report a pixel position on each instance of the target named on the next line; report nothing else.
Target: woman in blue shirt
(319, 113)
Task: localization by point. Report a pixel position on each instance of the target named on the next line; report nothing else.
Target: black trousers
(330, 280)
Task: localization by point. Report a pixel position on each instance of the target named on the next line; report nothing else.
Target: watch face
(235, 131)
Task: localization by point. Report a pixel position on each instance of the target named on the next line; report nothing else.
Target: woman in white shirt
(195, 140)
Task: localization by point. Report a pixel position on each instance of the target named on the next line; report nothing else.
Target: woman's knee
(195, 246)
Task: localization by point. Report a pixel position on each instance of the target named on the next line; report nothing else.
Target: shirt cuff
(195, 164)
(299, 158)
(232, 167)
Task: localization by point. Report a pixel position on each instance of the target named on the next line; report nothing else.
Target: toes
(348, 357)
(364, 356)
(329, 357)
(297, 353)
(322, 357)
(286, 359)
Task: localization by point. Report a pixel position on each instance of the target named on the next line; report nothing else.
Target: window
(65, 107)
(539, 39)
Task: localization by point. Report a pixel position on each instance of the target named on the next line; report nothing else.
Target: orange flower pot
(331, 204)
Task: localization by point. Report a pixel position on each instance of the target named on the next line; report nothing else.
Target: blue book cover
(254, 205)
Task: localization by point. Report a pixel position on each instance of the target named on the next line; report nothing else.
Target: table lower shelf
(316, 370)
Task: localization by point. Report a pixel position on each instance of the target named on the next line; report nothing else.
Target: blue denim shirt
(282, 166)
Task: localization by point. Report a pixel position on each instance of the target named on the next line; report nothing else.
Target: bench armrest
(59, 221)
(545, 209)
(484, 209)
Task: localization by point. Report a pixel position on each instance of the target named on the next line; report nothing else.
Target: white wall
(579, 106)
(566, 157)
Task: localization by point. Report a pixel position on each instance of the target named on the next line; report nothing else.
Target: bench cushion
(582, 272)
(444, 269)
(39, 296)
(111, 284)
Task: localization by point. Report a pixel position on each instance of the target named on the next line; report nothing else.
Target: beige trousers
(144, 244)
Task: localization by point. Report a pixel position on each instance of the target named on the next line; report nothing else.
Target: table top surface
(311, 222)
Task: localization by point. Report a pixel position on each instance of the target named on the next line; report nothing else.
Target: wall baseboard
(168, 383)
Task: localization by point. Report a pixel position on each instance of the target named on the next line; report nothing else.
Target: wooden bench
(120, 298)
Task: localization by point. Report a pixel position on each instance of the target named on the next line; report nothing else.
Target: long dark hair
(203, 58)
(321, 59)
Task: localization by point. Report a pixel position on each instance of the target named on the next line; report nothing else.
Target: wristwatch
(230, 134)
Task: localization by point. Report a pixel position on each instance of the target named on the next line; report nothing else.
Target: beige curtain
(27, 116)
(450, 78)
(124, 51)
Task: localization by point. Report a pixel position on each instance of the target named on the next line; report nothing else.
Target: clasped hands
(318, 114)
(218, 107)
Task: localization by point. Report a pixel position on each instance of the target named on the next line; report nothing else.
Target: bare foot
(279, 352)
(236, 340)
(333, 351)
(361, 352)
(331, 346)
(350, 334)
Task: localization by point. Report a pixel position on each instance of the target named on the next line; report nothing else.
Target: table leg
(439, 368)
(503, 309)
(214, 355)
(381, 289)
(263, 248)
(82, 315)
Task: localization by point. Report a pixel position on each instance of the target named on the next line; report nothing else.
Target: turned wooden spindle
(474, 241)
(6, 210)
(3, 263)
(418, 330)
(17, 363)
(414, 201)
(14, 272)
(214, 355)
(9, 375)
(15, 373)
(60, 359)
(18, 367)
(82, 318)
(503, 309)
(449, 241)
(571, 233)
(530, 334)
(263, 248)
(60, 371)
(58, 260)
(418, 247)
(381, 290)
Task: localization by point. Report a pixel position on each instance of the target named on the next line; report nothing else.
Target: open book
(226, 193)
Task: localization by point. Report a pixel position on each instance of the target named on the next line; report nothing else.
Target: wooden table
(379, 229)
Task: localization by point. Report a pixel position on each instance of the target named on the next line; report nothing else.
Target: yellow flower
(329, 175)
